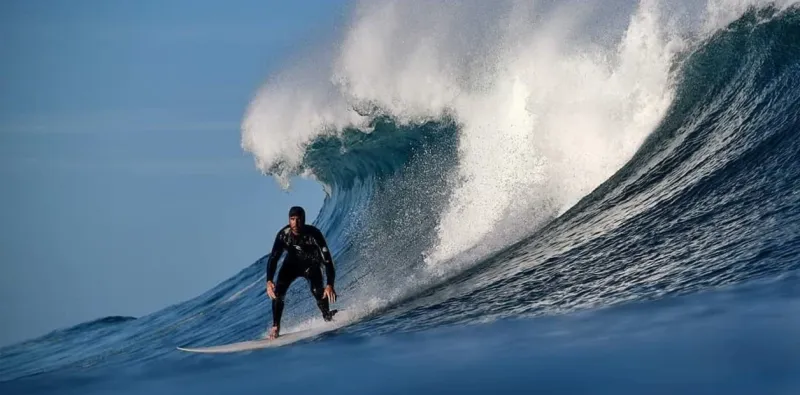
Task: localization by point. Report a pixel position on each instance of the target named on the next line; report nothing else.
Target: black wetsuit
(306, 253)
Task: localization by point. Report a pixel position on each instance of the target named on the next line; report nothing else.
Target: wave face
(491, 161)
(707, 201)
(485, 123)
(538, 125)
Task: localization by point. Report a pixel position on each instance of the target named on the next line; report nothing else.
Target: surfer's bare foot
(273, 333)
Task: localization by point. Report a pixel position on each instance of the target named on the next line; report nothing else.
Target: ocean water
(522, 197)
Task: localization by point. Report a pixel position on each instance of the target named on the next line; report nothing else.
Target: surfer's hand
(330, 294)
(271, 289)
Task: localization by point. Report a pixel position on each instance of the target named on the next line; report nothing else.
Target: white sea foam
(553, 97)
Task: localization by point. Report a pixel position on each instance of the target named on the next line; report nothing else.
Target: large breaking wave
(492, 159)
(444, 133)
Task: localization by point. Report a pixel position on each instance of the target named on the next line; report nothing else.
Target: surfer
(306, 251)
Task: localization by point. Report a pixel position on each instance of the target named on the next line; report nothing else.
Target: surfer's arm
(272, 263)
(327, 259)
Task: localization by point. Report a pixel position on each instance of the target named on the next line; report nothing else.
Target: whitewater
(521, 196)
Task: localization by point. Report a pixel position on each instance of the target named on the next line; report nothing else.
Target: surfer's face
(295, 222)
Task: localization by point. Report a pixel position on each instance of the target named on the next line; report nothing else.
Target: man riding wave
(307, 251)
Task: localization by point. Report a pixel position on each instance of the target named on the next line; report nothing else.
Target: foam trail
(240, 292)
(559, 121)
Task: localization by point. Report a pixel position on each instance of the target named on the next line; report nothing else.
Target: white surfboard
(282, 340)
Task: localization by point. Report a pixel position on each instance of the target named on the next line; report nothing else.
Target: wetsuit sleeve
(272, 263)
(327, 259)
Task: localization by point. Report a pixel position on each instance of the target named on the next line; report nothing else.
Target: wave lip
(544, 113)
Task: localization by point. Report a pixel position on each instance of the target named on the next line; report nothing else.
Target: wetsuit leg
(289, 272)
(314, 278)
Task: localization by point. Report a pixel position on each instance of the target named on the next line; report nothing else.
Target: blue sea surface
(680, 274)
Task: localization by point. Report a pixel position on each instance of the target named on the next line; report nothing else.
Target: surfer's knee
(280, 291)
(279, 297)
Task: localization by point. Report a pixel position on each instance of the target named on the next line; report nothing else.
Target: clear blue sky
(124, 185)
